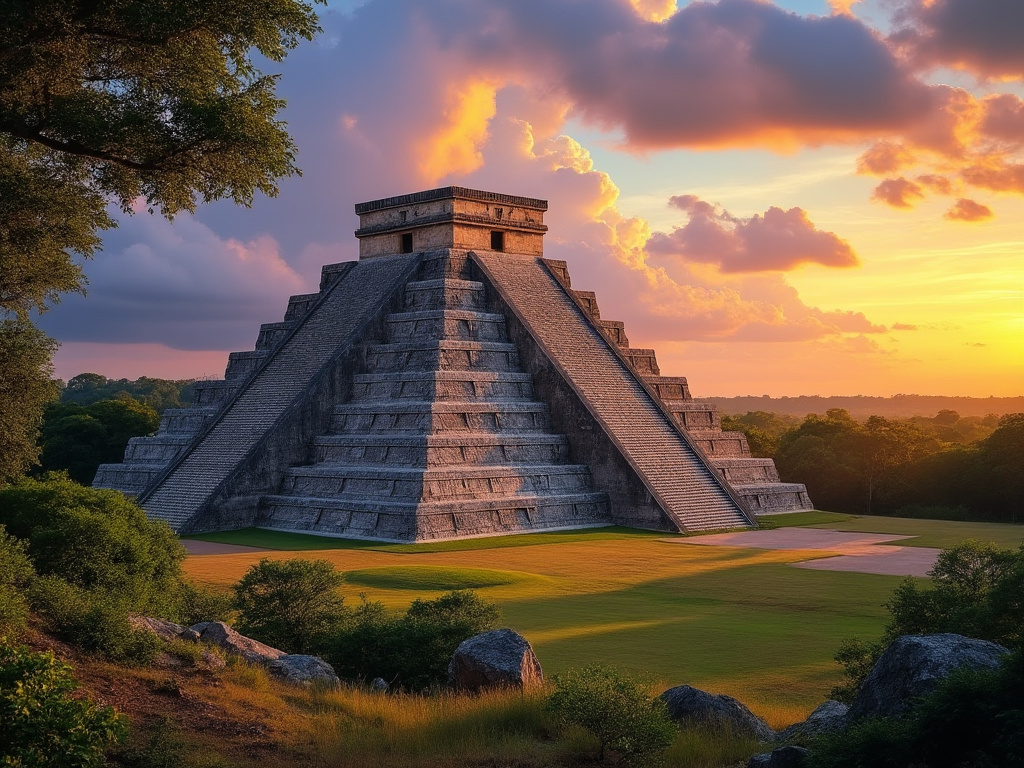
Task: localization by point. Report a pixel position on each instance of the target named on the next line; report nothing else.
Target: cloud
(899, 193)
(982, 36)
(968, 210)
(179, 285)
(902, 327)
(776, 241)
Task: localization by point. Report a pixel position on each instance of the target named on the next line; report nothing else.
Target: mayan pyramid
(450, 383)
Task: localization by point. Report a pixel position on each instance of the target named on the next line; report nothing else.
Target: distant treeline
(861, 407)
(947, 466)
(158, 394)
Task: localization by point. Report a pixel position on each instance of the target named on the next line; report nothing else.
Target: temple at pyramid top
(450, 383)
(451, 217)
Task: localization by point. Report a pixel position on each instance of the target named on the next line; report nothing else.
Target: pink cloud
(899, 193)
(968, 210)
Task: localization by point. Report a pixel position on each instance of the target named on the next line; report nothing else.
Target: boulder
(220, 634)
(379, 685)
(687, 704)
(165, 630)
(829, 717)
(913, 665)
(783, 757)
(499, 659)
(299, 669)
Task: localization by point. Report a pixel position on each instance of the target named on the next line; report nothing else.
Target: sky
(799, 197)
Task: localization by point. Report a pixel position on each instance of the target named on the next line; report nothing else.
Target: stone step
(645, 361)
(437, 520)
(435, 484)
(450, 264)
(131, 479)
(242, 364)
(156, 449)
(588, 300)
(443, 354)
(214, 392)
(721, 444)
(744, 470)
(616, 329)
(442, 385)
(694, 416)
(771, 498)
(445, 293)
(299, 305)
(447, 324)
(669, 387)
(186, 421)
(441, 449)
(453, 416)
(272, 334)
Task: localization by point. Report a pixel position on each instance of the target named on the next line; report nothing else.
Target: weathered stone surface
(829, 717)
(500, 658)
(165, 630)
(379, 685)
(913, 665)
(189, 635)
(300, 669)
(687, 704)
(783, 757)
(220, 634)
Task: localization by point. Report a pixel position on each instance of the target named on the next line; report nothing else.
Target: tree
(125, 99)
(44, 723)
(26, 387)
(159, 394)
(291, 604)
(616, 709)
(15, 574)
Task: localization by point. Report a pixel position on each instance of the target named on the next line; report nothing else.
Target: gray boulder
(501, 658)
(783, 757)
(299, 669)
(379, 685)
(165, 630)
(913, 665)
(220, 634)
(829, 717)
(687, 704)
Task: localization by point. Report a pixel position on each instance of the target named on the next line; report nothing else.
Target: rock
(379, 685)
(783, 757)
(189, 635)
(220, 634)
(165, 630)
(300, 669)
(829, 717)
(913, 665)
(692, 705)
(212, 661)
(496, 659)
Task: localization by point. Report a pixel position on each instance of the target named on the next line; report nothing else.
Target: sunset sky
(800, 197)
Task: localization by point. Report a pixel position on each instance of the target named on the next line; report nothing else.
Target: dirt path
(858, 552)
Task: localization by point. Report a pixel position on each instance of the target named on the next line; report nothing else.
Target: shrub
(95, 621)
(95, 539)
(197, 603)
(158, 747)
(15, 575)
(290, 604)
(411, 650)
(43, 723)
(617, 709)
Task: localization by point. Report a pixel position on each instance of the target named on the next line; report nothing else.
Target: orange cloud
(968, 210)
(454, 146)
(899, 193)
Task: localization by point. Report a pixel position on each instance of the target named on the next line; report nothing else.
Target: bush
(197, 603)
(97, 540)
(159, 747)
(94, 621)
(615, 708)
(15, 575)
(411, 650)
(43, 723)
(291, 604)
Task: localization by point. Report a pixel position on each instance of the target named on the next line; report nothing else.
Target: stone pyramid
(448, 384)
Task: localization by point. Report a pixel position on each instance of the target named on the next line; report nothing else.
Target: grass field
(730, 620)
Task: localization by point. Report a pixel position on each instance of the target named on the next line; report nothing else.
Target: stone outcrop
(300, 669)
(783, 757)
(449, 384)
(690, 705)
(829, 717)
(220, 634)
(501, 658)
(913, 665)
(165, 630)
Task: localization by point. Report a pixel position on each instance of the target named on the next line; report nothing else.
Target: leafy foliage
(615, 708)
(26, 386)
(16, 574)
(44, 724)
(158, 394)
(291, 604)
(762, 429)
(411, 650)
